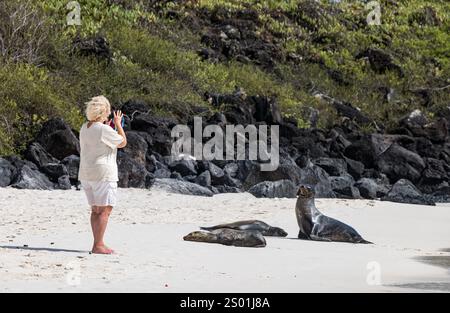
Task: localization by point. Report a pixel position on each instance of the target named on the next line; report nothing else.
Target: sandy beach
(45, 238)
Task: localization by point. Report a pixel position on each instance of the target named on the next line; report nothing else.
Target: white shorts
(100, 193)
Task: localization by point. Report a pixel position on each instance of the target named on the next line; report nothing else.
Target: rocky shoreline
(408, 164)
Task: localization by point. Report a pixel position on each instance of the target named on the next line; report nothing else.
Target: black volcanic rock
(404, 191)
(437, 131)
(355, 168)
(132, 174)
(397, 163)
(380, 61)
(158, 128)
(231, 169)
(266, 110)
(287, 169)
(343, 187)
(435, 172)
(184, 167)
(37, 154)
(6, 172)
(308, 142)
(319, 179)
(54, 171)
(176, 175)
(217, 174)
(136, 147)
(57, 138)
(63, 183)
(72, 164)
(371, 189)
(162, 173)
(334, 167)
(181, 187)
(204, 179)
(367, 149)
(425, 148)
(132, 107)
(274, 189)
(442, 195)
(97, 46)
(28, 178)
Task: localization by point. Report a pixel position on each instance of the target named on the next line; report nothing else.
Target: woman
(98, 165)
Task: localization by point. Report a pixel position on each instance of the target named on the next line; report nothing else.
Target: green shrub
(185, 77)
(28, 97)
(95, 15)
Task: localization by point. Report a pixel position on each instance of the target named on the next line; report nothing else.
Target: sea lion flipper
(301, 235)
(317, 238)
(307, 227)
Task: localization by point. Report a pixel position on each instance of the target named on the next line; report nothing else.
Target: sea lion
(229, 237)
(260, 226)
(316, 226)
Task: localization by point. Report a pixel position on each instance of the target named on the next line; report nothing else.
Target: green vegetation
(155, 59)
(28, 97)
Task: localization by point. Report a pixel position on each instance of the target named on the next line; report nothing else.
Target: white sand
(147, 229)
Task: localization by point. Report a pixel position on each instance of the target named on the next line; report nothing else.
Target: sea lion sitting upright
(316, 226)
(229, 237)
(260, 226)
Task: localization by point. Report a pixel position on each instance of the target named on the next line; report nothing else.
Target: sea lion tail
(365, 242)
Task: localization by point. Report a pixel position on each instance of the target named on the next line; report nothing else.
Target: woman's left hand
(118, 115)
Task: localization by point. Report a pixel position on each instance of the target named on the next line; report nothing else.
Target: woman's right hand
(118, 115)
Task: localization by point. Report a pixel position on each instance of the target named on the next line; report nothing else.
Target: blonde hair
(98, 107)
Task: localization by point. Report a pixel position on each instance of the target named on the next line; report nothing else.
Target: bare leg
(99, 222)
(94, 218)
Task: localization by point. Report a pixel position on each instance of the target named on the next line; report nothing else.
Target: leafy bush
(94, 14)
(28, 97)
(185, 77)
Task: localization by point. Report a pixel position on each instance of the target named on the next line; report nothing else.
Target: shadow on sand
(435, 260)
(431, 286)
(43, 249)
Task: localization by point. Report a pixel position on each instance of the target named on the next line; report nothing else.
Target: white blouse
(98, 155)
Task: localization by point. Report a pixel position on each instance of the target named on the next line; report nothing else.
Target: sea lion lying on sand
(260, 226)
(229, 237)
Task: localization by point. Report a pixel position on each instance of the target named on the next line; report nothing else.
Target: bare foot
(102, 250)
